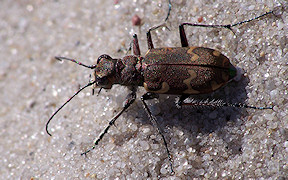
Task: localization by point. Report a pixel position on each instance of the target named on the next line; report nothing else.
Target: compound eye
(105, 57)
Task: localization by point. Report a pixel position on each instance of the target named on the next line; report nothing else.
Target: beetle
(180, 71)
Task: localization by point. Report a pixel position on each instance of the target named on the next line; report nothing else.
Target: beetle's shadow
(205, 120)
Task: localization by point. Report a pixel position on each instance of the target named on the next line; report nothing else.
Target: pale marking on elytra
(194, 56)
(168, 49)
(164, 88)
(216, 53)
(215, 85)
(225, 76)
(187, 81)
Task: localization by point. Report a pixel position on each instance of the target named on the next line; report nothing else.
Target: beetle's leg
(169, 9)
(153, 120)
(135, 44)
(218, 104)
(149, 38)
(180, 101)
(129, 100)
(183, 37)
(136, 49)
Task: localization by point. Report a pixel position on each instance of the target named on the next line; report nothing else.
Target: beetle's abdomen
(186, 70)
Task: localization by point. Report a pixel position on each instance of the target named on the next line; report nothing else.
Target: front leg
(127, 103)
(153, 120)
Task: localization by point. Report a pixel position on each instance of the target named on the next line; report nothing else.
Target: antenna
(87, 85)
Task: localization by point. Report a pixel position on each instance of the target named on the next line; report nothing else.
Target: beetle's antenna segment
(75, 61)
(89, 84)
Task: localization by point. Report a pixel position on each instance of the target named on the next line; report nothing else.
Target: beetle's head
(103, 77)
(104, 73)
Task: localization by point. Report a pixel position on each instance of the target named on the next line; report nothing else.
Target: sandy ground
(225, 143)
